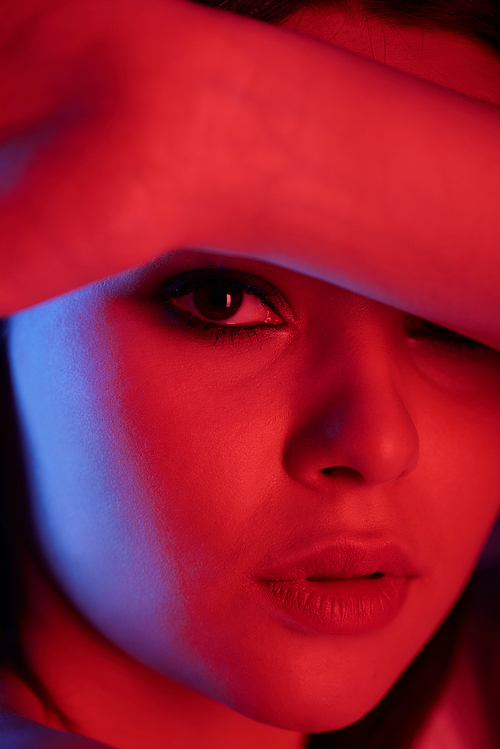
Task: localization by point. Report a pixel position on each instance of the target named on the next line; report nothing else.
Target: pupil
(218, 302)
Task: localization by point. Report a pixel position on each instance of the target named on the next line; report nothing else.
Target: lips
(349, 587)
(348, 559)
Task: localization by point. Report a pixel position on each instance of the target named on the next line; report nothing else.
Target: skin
(261, 151)
(151, 550)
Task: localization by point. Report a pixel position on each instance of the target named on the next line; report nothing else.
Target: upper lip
(346, 559)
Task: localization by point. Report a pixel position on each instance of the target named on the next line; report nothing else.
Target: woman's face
(219, 450)
(177, 465)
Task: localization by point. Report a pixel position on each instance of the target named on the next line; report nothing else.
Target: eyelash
(182, 284)
(439, 334)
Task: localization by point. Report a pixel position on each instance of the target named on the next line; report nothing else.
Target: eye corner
(177, 296)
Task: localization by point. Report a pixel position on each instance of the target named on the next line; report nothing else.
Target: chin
(314, 714)
(321, 721)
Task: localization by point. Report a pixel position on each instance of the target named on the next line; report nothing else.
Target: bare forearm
(401, 197)
(178, 126)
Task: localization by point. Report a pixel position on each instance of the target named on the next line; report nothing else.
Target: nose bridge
(369, 375)
(373, 422)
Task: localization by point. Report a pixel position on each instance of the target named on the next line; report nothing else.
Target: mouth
(344, 589)
(326, 578)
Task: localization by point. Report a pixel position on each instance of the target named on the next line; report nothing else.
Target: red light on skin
(224, 463)
(165, 470)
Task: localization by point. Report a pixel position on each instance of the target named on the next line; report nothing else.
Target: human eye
(221, 304)
(429, 332)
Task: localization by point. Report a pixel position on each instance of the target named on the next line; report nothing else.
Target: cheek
(142, 467)
(97, 503)
(457, 415)
(458, 474)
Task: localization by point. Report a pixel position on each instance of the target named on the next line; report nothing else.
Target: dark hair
(396, 720)
(477, 18)
(15, 534)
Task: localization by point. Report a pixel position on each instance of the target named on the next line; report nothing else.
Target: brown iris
(218, 301)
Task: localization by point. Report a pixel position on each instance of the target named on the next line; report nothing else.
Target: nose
(359, 428)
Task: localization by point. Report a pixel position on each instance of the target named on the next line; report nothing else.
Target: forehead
(442, 56)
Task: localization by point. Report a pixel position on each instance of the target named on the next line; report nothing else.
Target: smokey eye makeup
(231, 305)
(221, 304)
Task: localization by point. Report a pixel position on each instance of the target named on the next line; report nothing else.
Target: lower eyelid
(222, 333)
(197, 328)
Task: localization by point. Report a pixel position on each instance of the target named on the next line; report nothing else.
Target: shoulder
(17, 732)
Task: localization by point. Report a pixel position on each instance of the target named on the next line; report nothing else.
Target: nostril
(342, 472)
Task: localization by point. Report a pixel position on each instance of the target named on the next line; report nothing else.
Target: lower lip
(350, 606)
